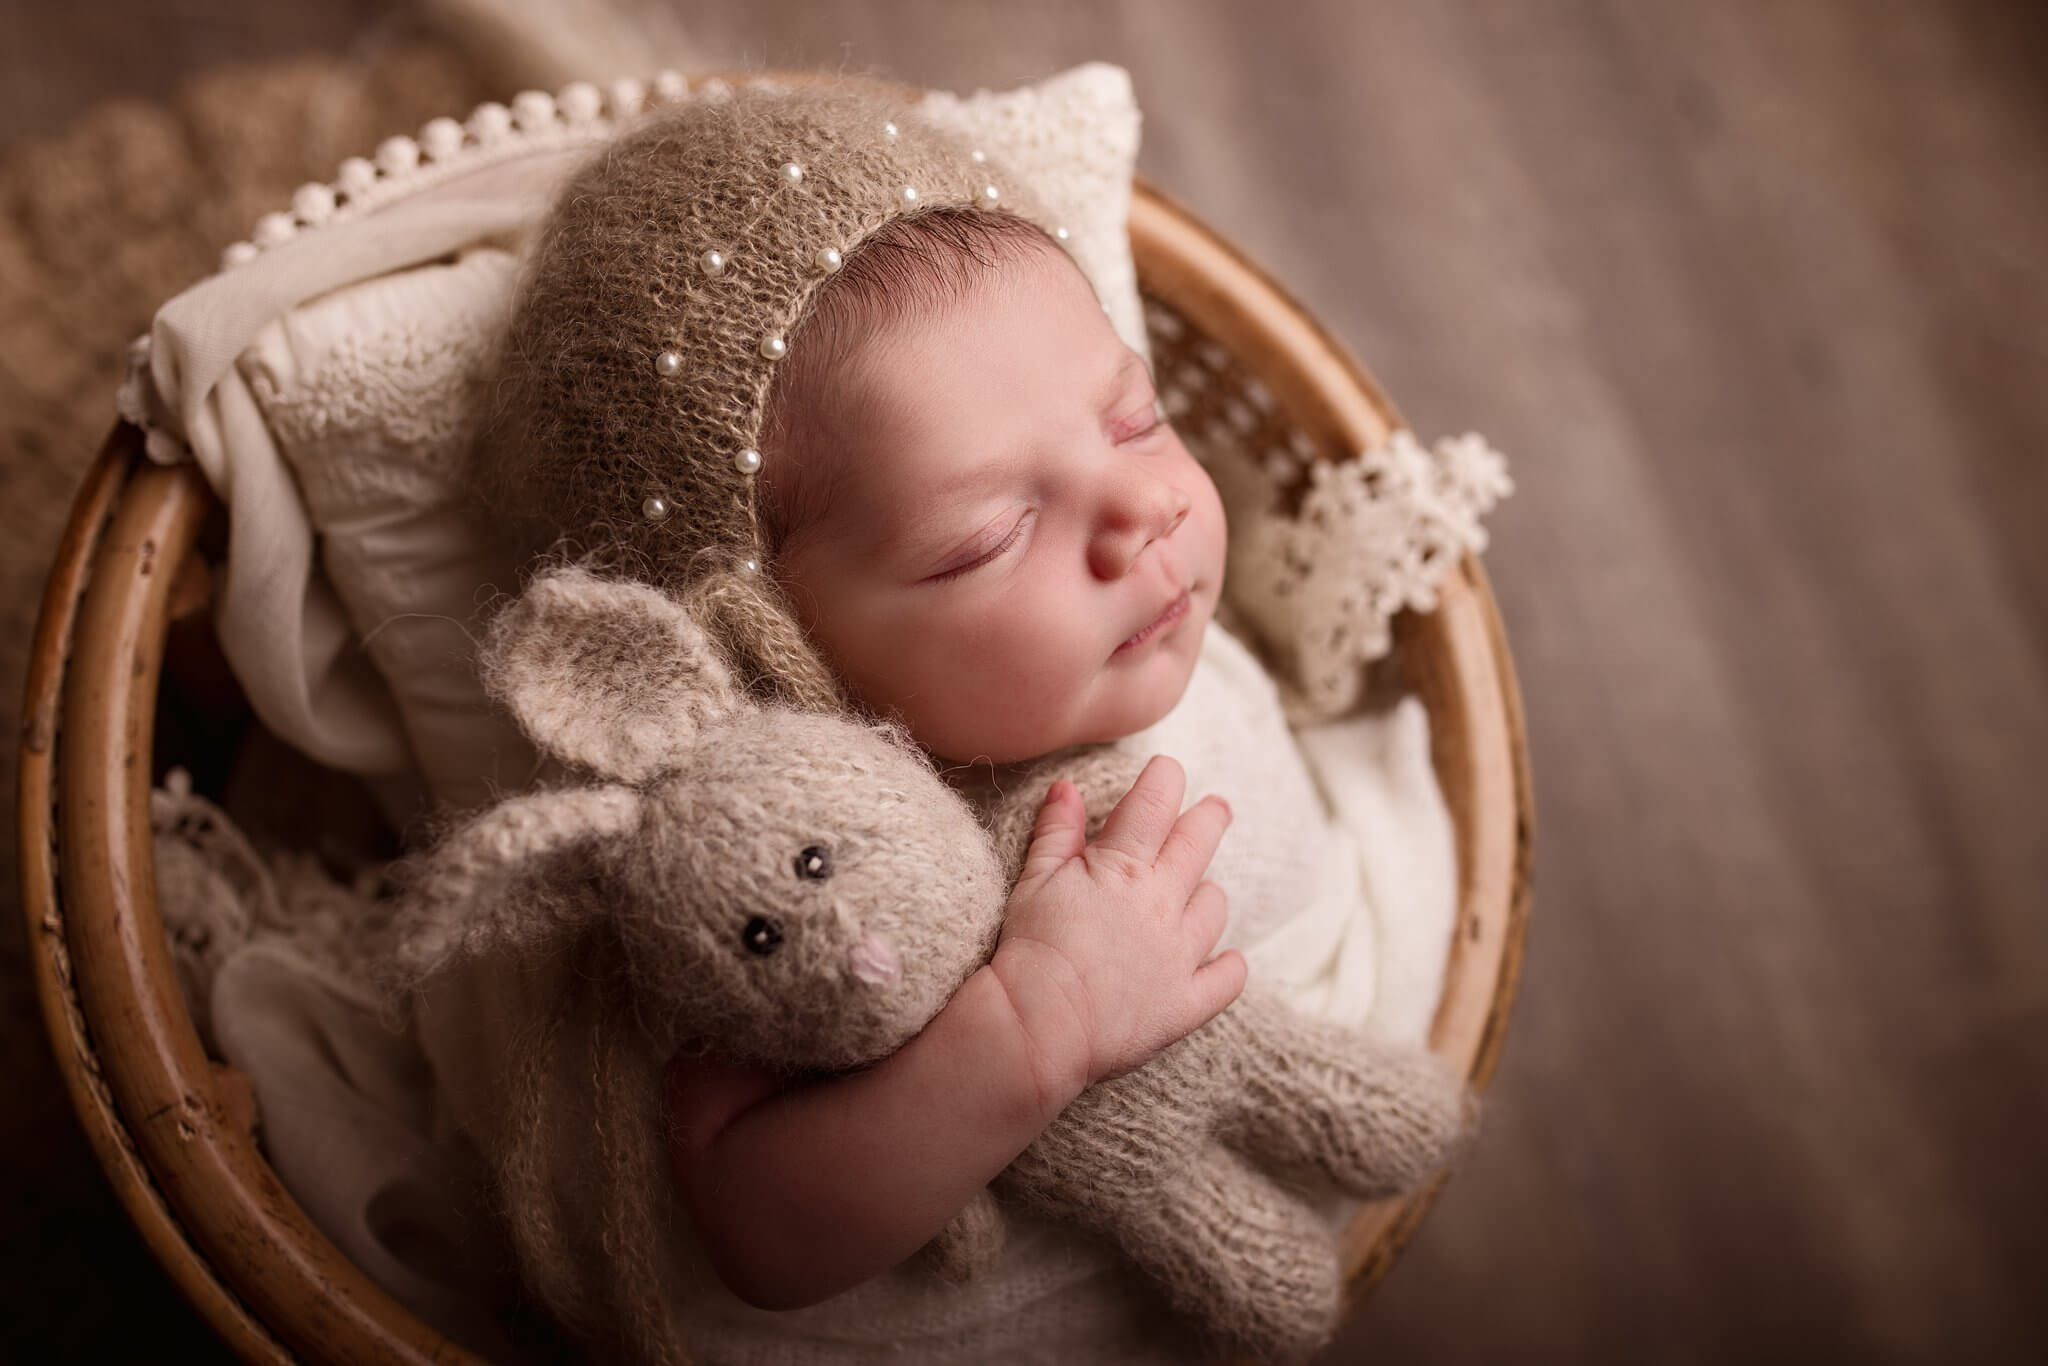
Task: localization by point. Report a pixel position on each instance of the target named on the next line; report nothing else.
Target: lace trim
(139, 404)
(1371, 537)
(581, 114)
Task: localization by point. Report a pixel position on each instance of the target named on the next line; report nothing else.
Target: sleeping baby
(827, 378)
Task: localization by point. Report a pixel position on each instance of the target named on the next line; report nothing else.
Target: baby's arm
(1103, 961)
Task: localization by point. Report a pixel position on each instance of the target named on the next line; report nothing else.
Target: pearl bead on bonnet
(673, 274)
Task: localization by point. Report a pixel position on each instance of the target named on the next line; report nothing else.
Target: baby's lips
(873, 961)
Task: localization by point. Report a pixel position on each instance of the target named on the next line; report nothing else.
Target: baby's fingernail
(1228, 813)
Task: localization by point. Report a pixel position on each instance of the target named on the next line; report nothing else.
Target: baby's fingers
(1141, 819)
(1060, 833)
(1208, 916)
(1217, 983)
(1192, 842)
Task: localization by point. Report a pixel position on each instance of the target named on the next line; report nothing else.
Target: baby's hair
(910, 269)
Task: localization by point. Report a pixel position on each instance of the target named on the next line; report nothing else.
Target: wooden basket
(174, 1131)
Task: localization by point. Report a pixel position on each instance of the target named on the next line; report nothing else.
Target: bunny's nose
(874, 962)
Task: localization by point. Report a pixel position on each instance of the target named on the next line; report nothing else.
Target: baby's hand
(1105, 947)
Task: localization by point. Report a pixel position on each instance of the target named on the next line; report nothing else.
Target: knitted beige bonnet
(675, 271)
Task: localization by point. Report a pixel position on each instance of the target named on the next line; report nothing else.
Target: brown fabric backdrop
(1754, 295)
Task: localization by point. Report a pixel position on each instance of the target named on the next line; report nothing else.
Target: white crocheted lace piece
(1325, 547)
(1371, 537)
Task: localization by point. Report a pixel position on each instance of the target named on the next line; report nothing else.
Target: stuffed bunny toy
(803, 891)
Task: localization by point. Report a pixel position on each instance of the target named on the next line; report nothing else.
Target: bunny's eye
(761, 935)
(814, 863)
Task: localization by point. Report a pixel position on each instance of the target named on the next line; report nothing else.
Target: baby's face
(1019, 554)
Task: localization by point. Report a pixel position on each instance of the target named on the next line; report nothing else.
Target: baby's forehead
(1032, 327)
(912, 400)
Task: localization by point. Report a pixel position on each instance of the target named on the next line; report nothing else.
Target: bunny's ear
(612, 677)
(480, 887)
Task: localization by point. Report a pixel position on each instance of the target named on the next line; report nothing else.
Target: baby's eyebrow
(993, 472)
(921, 536)
(1121, 377)
(987, 474)
(937, 531)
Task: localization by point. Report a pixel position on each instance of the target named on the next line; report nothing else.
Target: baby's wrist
(1037, 988)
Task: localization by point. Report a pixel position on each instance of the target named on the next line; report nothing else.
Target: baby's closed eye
(1138, 424)
(1016, 533)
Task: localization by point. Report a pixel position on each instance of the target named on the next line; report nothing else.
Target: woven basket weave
(174, 1131)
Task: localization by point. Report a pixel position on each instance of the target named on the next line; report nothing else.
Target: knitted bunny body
(1177, 1163)
(1195, 1164)
(802, 891)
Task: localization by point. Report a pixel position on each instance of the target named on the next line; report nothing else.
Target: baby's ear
(610, 676)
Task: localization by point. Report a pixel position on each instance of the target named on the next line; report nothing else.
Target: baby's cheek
(991, 666)
(1013, 679)
(1045, 644)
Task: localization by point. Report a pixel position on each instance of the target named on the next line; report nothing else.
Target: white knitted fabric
(212, 889)
(366, 390)
(217, 893)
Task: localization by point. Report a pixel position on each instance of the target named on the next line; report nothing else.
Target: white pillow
(366, 392)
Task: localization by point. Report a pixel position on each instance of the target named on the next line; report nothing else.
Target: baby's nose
(1147, 512)
(873, 961)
